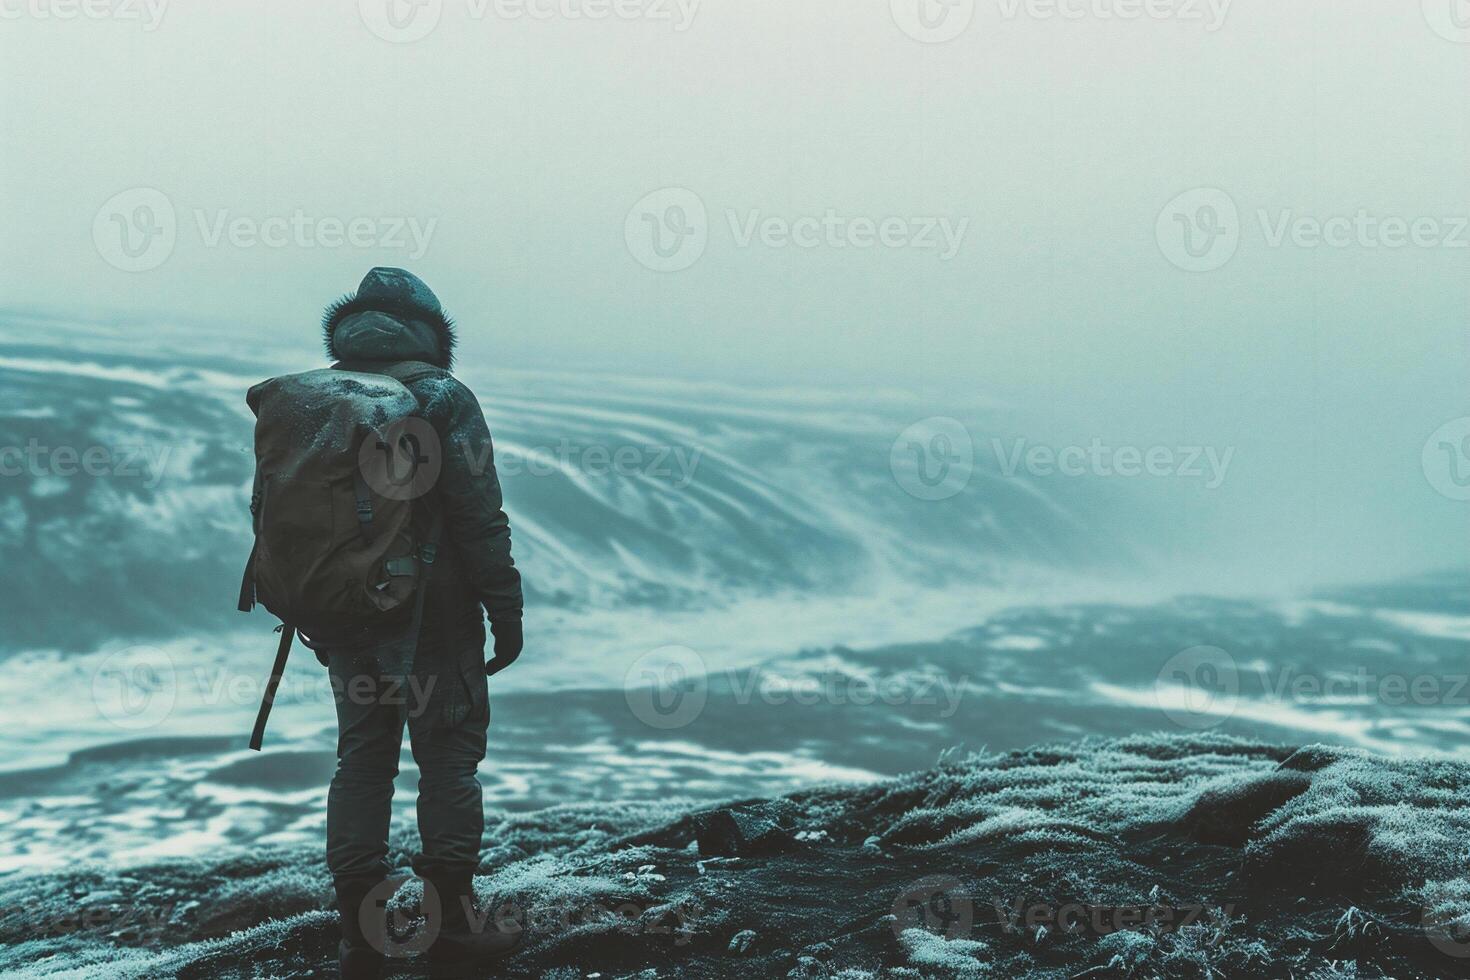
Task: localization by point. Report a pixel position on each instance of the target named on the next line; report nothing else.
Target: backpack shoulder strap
(404, 372)
(410, 370)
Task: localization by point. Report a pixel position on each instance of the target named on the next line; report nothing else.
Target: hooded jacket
(393, 318)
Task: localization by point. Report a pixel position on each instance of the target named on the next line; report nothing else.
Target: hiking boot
(358, 958)
(462, 944)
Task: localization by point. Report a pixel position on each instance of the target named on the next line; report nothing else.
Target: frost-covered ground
(1149, 856)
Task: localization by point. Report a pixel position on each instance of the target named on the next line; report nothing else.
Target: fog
(843, 195)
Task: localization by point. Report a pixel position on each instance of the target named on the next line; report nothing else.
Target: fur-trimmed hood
(393, 316)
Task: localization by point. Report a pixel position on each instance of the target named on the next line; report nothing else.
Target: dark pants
(446, 712)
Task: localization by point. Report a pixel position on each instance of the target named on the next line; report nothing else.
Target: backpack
(345, 528)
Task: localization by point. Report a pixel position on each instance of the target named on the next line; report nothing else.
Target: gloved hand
(508, 642)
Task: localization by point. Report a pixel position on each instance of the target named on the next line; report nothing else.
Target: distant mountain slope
(126, 472)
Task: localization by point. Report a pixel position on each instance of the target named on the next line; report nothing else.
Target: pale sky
(972, 198)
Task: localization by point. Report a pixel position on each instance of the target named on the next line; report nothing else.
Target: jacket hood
(393, 316)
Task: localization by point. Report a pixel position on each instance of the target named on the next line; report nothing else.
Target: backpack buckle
(428, 552)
